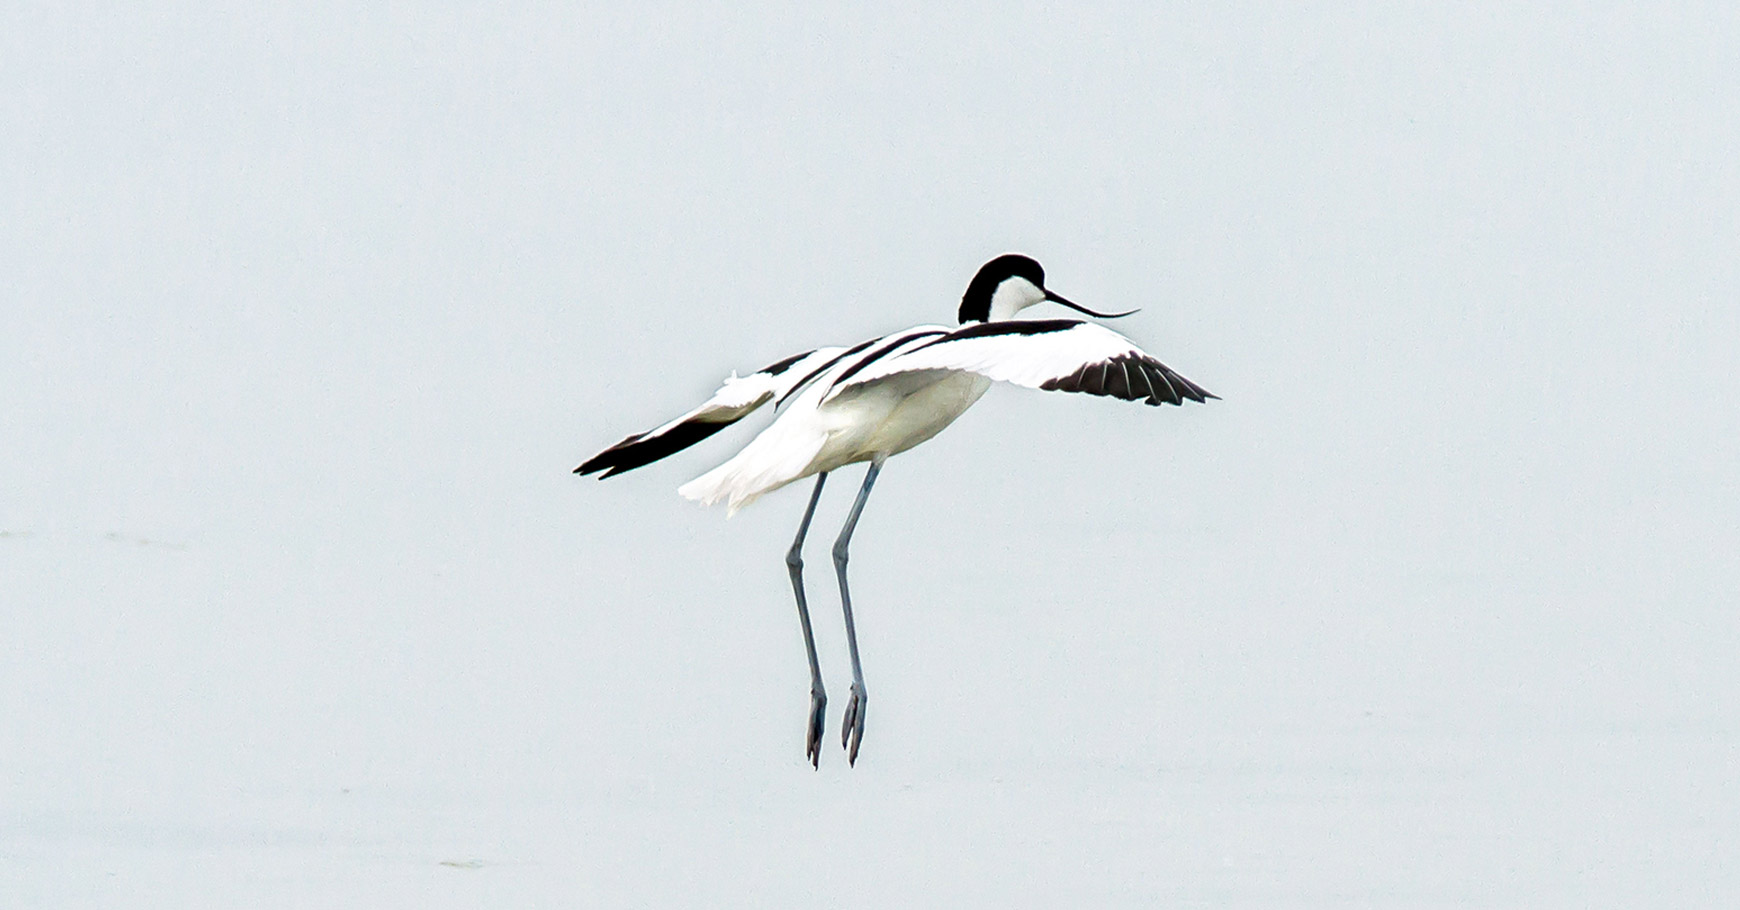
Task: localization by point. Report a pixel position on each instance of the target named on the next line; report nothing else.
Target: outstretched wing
(1065, 355)
(735, 399)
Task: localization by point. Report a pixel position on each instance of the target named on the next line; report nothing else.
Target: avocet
(869, 402)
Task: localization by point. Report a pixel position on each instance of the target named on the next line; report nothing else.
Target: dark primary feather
(1131, 377)
(646, 448)
(640, 450)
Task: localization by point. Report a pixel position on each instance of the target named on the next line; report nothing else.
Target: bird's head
(1009, 284)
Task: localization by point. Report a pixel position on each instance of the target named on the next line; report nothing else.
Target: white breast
(906, 409)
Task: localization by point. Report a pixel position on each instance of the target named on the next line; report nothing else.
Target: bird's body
(825, 425)
(869, 402)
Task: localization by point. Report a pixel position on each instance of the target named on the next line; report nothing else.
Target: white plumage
(837, 406)
(820, 429)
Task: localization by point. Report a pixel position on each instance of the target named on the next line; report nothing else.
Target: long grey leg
(853, 731)
(794, 560)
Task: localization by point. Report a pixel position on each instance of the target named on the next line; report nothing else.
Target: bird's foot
(813, 740)
(852, 731)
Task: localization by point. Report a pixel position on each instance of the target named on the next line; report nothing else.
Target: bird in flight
(838, 406)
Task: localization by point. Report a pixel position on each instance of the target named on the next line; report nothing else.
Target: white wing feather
(736, 398)
(1040, 355)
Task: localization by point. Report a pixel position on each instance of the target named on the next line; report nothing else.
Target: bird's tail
(752, 472)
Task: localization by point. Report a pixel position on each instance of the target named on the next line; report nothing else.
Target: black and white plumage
(837, 406)
(738, 397)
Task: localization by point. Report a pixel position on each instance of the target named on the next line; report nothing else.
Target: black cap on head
(976, 302)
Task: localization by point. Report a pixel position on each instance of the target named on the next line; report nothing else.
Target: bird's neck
(1008, 302)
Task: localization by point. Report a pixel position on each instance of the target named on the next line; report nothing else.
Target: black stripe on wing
(645, 448)
(822, 369)
(774, 369)
(641, 449)
(1131, 377)
(1008, 327)
(882, 352)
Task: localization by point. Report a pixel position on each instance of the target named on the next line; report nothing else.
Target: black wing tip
(1116, 377)
(594, 465)
(1191, 390)
(641, 449)
(607, 458)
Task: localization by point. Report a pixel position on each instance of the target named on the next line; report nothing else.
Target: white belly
(875, 420)
(893, 415)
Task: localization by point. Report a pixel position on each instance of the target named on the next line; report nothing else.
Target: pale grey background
(308, 313)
